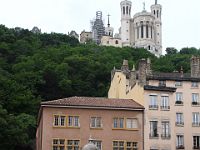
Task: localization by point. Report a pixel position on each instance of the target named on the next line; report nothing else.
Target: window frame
(153, 129)
(71, 123)
(96, 122)
(179, 119)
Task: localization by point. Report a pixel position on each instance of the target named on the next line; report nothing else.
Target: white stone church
(143, 30)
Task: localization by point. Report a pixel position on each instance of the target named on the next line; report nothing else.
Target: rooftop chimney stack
(195, 66)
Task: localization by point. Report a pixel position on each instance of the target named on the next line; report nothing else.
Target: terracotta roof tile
(95, 102)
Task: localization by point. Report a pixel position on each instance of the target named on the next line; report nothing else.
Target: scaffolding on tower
(98, 29)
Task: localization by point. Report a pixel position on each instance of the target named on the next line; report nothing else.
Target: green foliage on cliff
(40, 67)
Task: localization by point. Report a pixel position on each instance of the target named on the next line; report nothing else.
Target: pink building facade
(69, 124)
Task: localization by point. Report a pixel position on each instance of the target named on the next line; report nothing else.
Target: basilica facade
(143, 30)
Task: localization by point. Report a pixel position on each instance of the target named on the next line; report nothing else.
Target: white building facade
(143, 30)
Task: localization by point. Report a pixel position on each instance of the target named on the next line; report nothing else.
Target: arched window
(124, 10)
(142, 31)
(154, 12)
(116, 42)
(147, 31)
(127, 10)
(157, 13)
(149, 47)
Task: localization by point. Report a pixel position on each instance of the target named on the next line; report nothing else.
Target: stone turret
(142, 72)
(195, 66)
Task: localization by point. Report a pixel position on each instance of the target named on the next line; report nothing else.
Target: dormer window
(162, 83)
(178, 83)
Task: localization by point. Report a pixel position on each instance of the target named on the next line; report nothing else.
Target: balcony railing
(179, 102)
(196, 147)
(180, 147)
(153, 107)
(195, 103)
(179, 123)
(165, 136)
(196, 124)
(153, 135)
(165, 107)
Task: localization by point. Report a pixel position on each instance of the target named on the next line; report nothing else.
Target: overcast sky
(180, 18)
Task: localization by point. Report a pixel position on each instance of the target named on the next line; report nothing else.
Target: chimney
(133, 77)
(142, 72)
(148, 69)
(181, 71)
(124, 67)
(195, 66)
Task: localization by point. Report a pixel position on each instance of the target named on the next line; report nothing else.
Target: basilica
(144, 29)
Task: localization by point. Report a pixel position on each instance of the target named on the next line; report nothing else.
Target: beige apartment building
(171, 101)
(70, 123)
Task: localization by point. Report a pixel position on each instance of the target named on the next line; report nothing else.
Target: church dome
(90, 146)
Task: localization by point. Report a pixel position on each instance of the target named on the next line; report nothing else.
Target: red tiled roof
(96, 102)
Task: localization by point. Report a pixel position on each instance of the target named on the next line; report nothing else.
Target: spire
(156, 2)
(108, 20)
(143, 6)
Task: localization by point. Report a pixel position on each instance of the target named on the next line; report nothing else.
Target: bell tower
(125, 22)
(156, 10)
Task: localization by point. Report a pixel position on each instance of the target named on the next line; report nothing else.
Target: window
(162, 83)
(73, 121)
(195, 98)
(142, 31)
(196, 142)
(98, 143)
(195, 84)
(195, 119)
(164, 103)
(131, 146)
(165, 129)
(179, 142)
(118, 145)
(73, 144)
(118, 122)
(124, 10)
(131, 123)
(58, 144)
(147, 31)
(178, 83)
(179, 98)
(157, 13)
(121, 145)
(179, 119)
(153, 129)
(116, 42)
(95, 122)
(59, 120)
(153, 102)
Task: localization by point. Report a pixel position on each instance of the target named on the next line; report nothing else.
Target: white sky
(180, 18)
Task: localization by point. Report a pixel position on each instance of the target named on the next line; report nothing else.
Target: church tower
(156, 10)
(109, 30)
(125, 22)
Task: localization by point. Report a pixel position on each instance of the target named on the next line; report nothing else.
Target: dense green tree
(40, 67)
